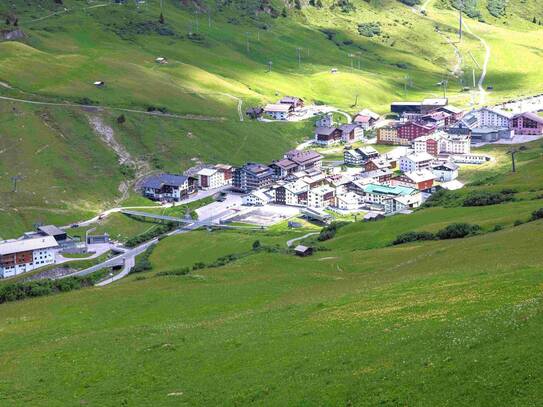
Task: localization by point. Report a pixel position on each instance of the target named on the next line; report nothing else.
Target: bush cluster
(179, 272)
(142, 261)
(40, 288)
(457, 231)
(328, 232)
(538, 214)
(485, 198)
(496, 7)
(369, 29)
(151, 234)
(452, 231)
(413, 237)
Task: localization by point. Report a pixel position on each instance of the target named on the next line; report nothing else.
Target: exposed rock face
(12, 35)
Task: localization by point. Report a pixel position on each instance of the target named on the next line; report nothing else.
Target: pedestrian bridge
(161, 218)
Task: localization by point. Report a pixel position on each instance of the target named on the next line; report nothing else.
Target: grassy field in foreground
(423, 324)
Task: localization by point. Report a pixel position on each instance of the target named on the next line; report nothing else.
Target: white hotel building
(21, 256)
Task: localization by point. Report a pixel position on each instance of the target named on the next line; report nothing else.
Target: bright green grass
(417, 325)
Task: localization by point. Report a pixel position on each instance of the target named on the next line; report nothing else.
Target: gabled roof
(207, 172)
(285, 163)
(347, 128)
(277, 107)
(256, 168)
(448, 166)
(380, 163)
(160, 180)
(303, 156)
(24, 245)
(369, 113)
(420, 176)
(362, 119)
(531, 116)
(419, 157)
(290, 99)
(325, 131)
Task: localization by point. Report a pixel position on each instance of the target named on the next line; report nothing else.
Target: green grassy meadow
(359, 323)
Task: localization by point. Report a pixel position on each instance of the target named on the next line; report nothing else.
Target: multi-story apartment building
(252, 176)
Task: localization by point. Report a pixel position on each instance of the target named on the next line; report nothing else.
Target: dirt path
(119, 109)
(107, 134)
(65, 11)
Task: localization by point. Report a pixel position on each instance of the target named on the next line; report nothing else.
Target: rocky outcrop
(12, 35)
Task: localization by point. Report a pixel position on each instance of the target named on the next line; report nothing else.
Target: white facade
(445, 173)
(278, 111)
(454, 145)
(491, 118)
(210, 178)
(21, 256)
(257, 198)
(415, 162)
(348, 201)
(317, 197)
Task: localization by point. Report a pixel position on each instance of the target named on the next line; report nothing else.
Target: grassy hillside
(419, 324)
(218, 63)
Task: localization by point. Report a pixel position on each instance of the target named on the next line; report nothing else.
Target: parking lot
(266, 215)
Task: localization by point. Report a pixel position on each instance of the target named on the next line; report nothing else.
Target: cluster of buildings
(281, 110)
(328, 133)
(177, 187)
(453, 129)
(377, 182)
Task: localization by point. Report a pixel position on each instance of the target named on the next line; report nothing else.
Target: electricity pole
(247, 40)
(270, 63)
(513, 166)
(299, 50)
(14, 179)
(460, 20)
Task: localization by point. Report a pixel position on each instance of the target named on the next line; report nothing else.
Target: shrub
(413, 237)
(198, 265)
(179, 272)
(497, 228)
(538, 214)
(457, 231)
(151, 234)
(518, 222)
(496, 7)
(40, 288)
(486, 198)
(369, 29)
(256, 245)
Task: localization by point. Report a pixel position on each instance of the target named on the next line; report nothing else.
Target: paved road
(195, 197)
(291, 241)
